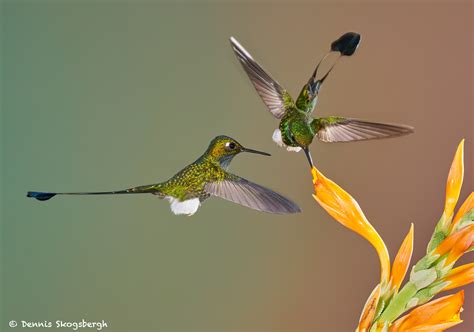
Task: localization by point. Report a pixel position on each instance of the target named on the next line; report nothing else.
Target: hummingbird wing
(241, 191)
(337, 129)
(275, 97)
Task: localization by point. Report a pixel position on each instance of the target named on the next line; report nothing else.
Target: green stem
(440, 232)
(398, 303)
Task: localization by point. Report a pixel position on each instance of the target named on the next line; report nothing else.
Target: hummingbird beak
(308, 156)
(255, 151)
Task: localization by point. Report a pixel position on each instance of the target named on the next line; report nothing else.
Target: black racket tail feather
(44, 196)
(40, 196)
(346, 45)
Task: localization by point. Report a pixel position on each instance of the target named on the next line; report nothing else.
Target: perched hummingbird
(207, 176)
(297, 127)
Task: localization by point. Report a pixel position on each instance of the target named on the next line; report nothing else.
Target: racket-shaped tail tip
(40, 196)
(347, 44)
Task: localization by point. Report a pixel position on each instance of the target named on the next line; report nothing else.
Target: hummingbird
(207, 176)
(297, 127)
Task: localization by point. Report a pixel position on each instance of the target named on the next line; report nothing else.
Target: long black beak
(308, 156)
(255, 151)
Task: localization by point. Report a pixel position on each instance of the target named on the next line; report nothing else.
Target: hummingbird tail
(345, 45)
(315, 83)
(44, 196)
(40, 196)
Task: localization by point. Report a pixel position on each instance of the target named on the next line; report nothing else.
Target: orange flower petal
(454, 183)
(435, 328)
(368, 313)
(456, 244)
(345, 209)
(436, 315)
(402, 260)
(459, 276)
(465, 208)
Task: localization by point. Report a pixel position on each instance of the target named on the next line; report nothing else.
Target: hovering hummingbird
(207, 176)
(297, 127)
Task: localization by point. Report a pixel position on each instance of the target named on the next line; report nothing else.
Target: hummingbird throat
(224, 161)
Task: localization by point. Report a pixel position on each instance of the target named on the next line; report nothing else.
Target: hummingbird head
(224, 148)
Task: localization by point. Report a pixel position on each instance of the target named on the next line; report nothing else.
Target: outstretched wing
(337, 129)
(251, 195)
(275, 97)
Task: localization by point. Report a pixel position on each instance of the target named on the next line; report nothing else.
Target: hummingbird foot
(279, 141)
(187, 207)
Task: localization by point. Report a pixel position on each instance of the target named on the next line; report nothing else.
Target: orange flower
(342, 207)
(454, 183)
(465, 208)
(402, 260)
(436, 315)
(451, 239)
(368, 313)
(456, 244)
(453, 188)
(459, 276)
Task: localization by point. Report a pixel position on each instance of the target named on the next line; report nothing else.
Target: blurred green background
(101, 95)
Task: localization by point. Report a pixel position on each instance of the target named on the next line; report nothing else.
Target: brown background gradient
(104, 95)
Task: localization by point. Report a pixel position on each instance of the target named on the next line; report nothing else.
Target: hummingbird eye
(230, 145)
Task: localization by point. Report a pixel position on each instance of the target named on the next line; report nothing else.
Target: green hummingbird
(297, 127)
(207, 176)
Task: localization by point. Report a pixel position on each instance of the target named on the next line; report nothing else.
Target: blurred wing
(275, 97)
(251, 195)
(336, 129)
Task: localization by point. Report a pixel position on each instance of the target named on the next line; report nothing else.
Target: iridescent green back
(189, 182)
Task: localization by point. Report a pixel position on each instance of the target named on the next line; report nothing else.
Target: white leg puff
(188, 207)
(278, 140)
